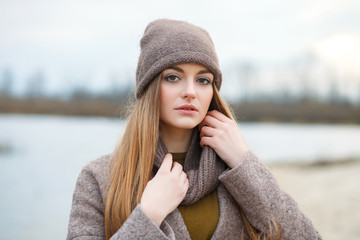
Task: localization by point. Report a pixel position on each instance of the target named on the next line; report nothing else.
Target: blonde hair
(133, 158)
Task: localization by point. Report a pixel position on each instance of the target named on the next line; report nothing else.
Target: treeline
(301, 90)
(302, 110)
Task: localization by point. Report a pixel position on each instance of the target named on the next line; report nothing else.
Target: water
(45, 155)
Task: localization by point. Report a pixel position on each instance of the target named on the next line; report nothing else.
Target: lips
(187, 107)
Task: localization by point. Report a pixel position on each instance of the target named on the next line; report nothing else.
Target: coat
(249, 185)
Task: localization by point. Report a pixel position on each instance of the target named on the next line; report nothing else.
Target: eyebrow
(182, 71)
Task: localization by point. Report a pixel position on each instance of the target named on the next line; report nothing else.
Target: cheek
(205, 101)
(166, 93)
(163, 94)
(165, 98)
(208, 97)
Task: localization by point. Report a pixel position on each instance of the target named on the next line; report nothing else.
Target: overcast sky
(84, 42)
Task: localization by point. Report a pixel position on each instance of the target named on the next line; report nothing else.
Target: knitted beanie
(169, 42)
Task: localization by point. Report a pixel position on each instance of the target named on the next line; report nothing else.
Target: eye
(172, 78)
(204, 81)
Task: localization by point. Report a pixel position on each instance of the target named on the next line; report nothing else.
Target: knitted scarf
(202, 166)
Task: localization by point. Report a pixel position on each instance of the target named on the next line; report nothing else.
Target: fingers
(180, 175)
(183, 179)
(177, 169)
(166, 164)
(208, 141)
(218, 115)
(207, 132)
(213, 119)
(210, 121)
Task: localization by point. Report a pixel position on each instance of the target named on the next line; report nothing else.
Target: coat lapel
(229, 222)
(177, 224)
(230, 219)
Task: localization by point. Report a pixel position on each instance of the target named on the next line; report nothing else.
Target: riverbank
(328, 193)
(260, 111)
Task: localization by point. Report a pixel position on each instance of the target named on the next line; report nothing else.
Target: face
(185, 95)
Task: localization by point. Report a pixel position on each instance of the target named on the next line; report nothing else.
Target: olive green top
(201, 218)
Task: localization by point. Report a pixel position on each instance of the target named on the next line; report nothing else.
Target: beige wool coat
(250, 184)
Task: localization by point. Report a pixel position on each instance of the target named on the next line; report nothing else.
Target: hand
(224, 136)
(165, 191)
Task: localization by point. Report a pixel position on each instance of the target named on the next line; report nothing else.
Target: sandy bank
(329, 194)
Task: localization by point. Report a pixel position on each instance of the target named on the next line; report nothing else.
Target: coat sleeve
(256, 191)
(87, 216)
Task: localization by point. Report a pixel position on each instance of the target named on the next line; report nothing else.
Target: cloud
(341, 51)
(318, 10)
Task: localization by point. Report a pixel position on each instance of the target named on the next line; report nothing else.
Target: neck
(175, 139)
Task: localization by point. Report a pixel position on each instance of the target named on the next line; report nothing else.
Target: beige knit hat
(169, 42)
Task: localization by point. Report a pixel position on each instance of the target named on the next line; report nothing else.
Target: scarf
(202, 166)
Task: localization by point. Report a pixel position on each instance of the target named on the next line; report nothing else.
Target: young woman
(182, 169)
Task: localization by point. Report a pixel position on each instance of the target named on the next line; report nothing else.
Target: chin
(184, 124)
(177, 122)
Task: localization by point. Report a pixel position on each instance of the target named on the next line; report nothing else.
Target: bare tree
(304, 71)
(6, 83)
(35, 85)
(245, 72)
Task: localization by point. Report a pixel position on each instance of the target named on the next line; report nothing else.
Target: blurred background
(291, 71)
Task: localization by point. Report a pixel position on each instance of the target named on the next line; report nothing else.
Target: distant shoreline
(302, 112)
(317, 163)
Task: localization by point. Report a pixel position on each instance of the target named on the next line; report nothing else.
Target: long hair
(133, 158)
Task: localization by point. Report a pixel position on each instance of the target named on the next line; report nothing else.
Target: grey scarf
(202, 166)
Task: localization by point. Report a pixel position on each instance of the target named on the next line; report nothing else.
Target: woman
(211, 186)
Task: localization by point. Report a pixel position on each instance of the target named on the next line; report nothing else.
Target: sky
(95, 44)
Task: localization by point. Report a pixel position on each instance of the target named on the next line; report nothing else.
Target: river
(43, 155)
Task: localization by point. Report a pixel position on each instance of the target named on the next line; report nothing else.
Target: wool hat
(169, 42)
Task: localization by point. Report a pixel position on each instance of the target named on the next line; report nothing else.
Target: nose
(189, 91)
